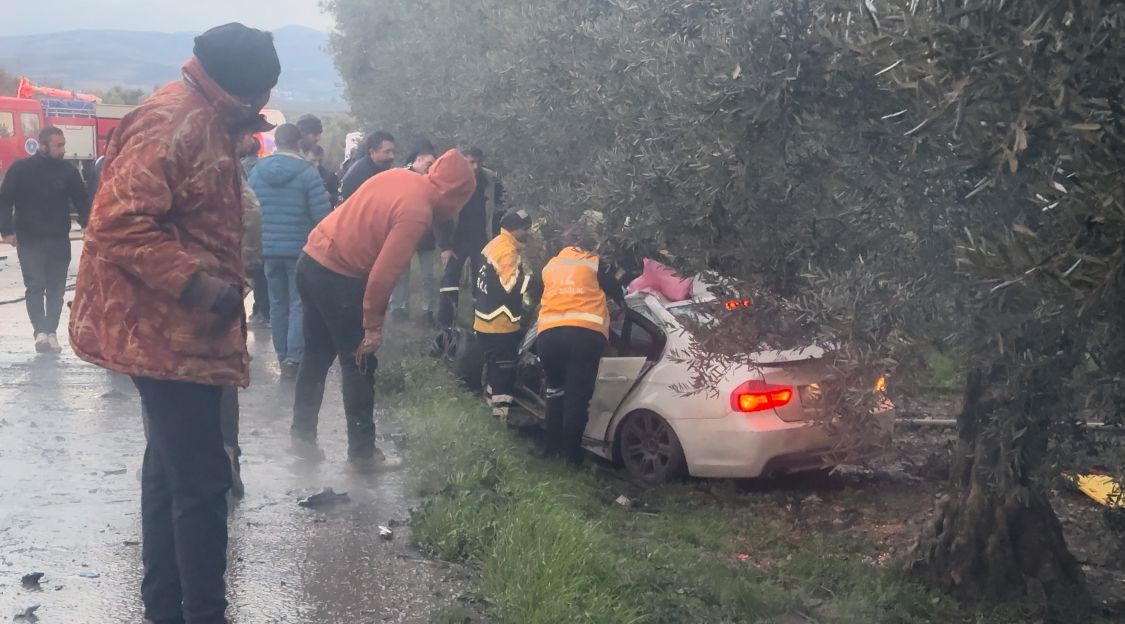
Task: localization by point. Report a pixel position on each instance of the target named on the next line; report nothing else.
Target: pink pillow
(661, 280)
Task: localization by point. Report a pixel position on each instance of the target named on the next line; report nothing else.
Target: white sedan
(760, 420)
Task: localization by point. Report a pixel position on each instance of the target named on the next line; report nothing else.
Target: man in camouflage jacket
(159, 298)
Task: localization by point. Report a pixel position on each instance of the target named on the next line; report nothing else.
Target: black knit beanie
(241, 60)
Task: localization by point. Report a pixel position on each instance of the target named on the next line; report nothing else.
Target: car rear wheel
(649, 448)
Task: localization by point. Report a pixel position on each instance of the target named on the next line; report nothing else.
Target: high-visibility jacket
(572, 295)
(499, 287)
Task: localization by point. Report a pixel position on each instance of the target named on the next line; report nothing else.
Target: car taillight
(756, 396)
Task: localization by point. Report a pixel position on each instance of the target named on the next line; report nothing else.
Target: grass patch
(553, 547)
(945, 375)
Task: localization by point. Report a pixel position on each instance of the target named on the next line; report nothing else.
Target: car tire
(649, 449)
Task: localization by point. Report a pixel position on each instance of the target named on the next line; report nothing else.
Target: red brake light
(734, 304)
(757, 396)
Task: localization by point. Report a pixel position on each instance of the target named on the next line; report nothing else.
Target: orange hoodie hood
(453, 182)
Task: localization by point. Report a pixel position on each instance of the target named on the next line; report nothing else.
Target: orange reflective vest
(500, 286)
(572, 296)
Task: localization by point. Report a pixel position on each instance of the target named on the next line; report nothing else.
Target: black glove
(212, 294)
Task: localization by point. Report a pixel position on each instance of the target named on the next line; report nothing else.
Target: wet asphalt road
(71, 444)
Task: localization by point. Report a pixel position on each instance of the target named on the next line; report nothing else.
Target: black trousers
(228, 418)
(44, 264)
(261, 292)
(500, 352)
(333, 327)
(450, 288)
(184, 483)
(570, 357)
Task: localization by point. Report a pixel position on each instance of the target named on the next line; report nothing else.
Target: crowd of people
(186, 221)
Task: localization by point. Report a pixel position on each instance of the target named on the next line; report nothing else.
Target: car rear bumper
(753, 445)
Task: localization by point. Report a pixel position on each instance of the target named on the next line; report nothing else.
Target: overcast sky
(42, 16)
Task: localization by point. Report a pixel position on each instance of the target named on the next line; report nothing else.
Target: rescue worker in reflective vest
(573, 332)
(498, 293)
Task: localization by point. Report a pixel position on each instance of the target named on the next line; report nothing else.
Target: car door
(619, 373)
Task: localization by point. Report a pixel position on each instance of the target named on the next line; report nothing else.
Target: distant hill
(98, 59)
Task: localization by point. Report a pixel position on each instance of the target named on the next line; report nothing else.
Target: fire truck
(84, 119)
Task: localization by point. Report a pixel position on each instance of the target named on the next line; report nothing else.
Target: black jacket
(331, 184)
(360, 172)
(42, 191)
(478, 222)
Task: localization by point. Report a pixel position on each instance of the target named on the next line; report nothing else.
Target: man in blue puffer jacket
(293, 202)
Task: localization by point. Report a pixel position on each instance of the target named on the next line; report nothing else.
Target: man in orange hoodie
(345, 277)
(159, 298)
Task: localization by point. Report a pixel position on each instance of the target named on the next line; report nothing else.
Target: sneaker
(53, 343)
(306, 449)
(400, 314)
(237, 488)
(42, 345)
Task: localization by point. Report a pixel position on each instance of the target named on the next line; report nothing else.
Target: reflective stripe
(526, 282)
(589, 264)
(507, 286)
(554, 393)
(497, 312)
(450, 289)
(579, 316)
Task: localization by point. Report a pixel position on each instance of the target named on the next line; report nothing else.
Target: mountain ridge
(95, 59)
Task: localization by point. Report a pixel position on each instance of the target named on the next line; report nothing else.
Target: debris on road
(88, 574)
(1102, 489)
(132, 543)
(27, 612)
(623, 501)
(31, 581)
(325, 498)
(109, 473)
(386, 533)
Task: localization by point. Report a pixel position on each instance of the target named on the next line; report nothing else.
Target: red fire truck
(84, 119)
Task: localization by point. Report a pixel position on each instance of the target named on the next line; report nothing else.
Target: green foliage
(118, 94)
(336, 128)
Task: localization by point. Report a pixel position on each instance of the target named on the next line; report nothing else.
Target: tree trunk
(995, 539)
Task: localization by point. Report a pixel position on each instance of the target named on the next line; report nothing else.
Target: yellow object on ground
(1103, 489)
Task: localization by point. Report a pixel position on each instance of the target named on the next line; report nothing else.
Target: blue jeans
(286, 314)
(400, 298)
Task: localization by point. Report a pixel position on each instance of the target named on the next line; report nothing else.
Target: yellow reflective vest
(500, 286)
(572, 296)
